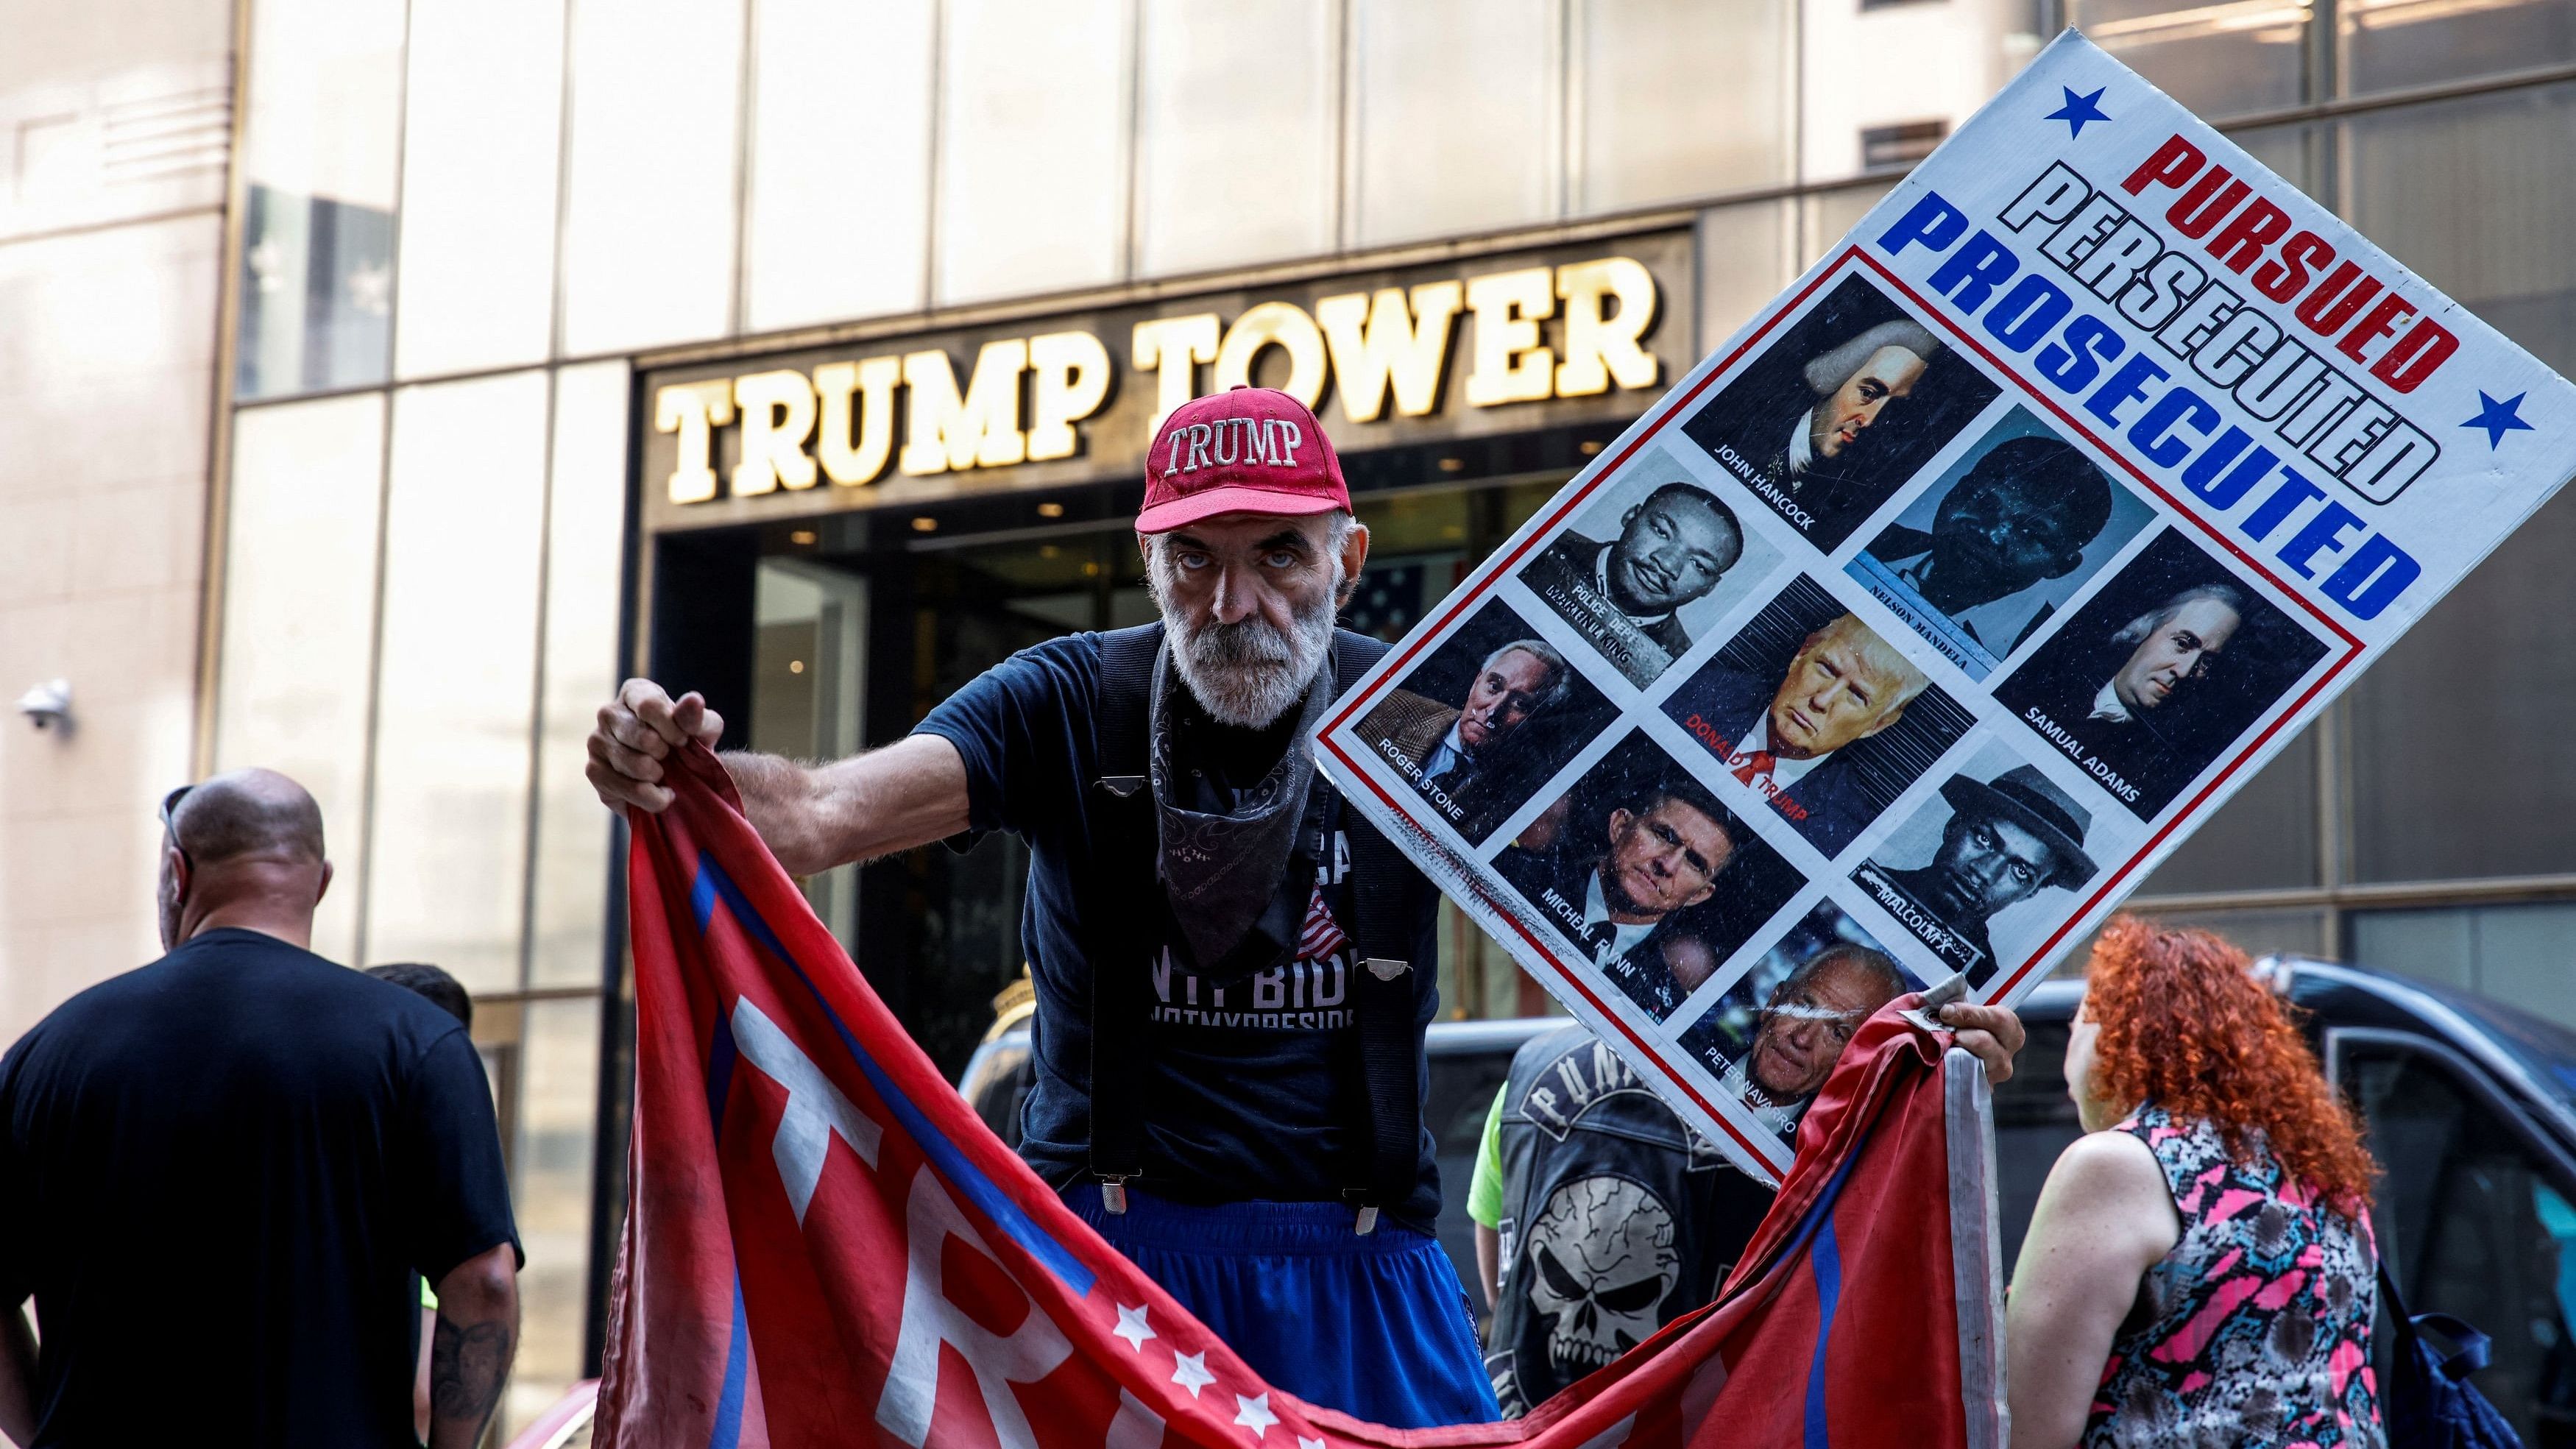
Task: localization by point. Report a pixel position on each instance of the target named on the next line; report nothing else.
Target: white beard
(1245, 674)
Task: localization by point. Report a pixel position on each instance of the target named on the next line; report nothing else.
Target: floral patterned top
(2255, 1329)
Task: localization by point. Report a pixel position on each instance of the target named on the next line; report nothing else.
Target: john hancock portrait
(1808, 707)
(1646, 876)
(2001, 837)
(1647, 565)
(1979, 561)
(1773, 1037)
(1838, 411)
(1482, 720)
(2160, 673)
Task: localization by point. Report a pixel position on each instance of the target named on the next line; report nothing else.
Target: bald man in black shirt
(246, 1108)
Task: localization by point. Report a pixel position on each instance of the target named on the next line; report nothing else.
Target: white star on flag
(1254, 1413)
(1131, 1326)
(1305, 1443)
(1189, 1370)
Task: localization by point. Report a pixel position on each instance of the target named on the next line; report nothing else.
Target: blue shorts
(1376, 1326)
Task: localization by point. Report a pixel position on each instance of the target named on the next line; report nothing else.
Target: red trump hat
(1244, 450)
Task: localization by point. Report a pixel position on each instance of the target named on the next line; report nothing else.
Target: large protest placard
(1916, 624)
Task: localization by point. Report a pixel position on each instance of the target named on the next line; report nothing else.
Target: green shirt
(1485, 1189)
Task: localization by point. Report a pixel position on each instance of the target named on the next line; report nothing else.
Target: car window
(2034, 1122)
(2472, 1222)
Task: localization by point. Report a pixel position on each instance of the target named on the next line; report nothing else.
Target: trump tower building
(384, 379)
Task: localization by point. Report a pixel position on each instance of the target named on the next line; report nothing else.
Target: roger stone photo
(2004, 842)
(1673, 547)
(1455, 754)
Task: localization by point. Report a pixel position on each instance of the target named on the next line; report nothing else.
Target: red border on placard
(1672, 404)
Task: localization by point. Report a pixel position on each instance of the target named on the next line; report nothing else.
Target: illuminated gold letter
(693, 410)
(1279, 324)
(1600, 349)
(1512, 365)
(1174, 347)
(777, 413)
(1072, 380)
(853, 464)
(1376, 341)
(983, 431)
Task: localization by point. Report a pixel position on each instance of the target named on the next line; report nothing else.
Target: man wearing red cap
(1233, 971)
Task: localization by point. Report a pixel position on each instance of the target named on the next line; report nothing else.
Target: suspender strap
(1382, 900)
(1122, 942)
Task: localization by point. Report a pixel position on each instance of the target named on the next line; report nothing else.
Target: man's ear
(324, 888)
(1620, 821)
(2066, 564)
(1355, 546)
(1703, 893)
(1628, 519)
(174, 863)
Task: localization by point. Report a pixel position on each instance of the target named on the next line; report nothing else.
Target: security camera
(48, 705)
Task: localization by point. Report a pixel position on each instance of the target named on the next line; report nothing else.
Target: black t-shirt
(1251, 1088)
(217, 1176)
(1617, 1218)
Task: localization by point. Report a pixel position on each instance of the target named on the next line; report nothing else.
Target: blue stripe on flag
(720, 1059)
(953, 1164)
(702, 900)
(727, 1430)
(1825, 1260)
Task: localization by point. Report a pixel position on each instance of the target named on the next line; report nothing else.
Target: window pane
(300, 616)
(2389, 44)
(2459, 735)
(480, 141)
(585, 546)
(2472, 195)
(2470, 1223)
(557, 1118)
(1656, 124)
(1825, 215)
(829, 239)
(1743, 263)
(1033, 147)
(2514, 954)
(1458, 104)
(2264, 837)
(2227, 59)
(447, 881)
(649, 201)
(1264, 82)
(319, 152)
(2296, 932)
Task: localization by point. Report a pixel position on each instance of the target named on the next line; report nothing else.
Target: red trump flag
(824, 1245)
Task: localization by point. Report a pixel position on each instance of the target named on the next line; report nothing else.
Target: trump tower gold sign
(1499, 344)
(1910, 629)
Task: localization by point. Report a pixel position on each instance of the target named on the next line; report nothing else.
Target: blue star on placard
(2078, 110)
(2498, 418)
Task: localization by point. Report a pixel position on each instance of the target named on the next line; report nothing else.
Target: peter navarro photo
(1840, 411)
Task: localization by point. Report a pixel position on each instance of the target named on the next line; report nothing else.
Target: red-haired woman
(2199, 1270)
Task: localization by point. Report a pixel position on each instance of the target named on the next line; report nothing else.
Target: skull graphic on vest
(1601, 1258)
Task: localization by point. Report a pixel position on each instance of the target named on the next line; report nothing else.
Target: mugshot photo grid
(1649, 564)
(1839, 410)
(1644, 875)
(2160, 673)
(1987, 552)
(1482, 720)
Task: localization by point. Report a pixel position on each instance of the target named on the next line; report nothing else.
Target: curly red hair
(2184, 1025)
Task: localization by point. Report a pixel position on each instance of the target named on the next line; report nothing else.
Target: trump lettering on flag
(824, 1244)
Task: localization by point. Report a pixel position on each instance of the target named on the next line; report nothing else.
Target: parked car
(2470, 1108)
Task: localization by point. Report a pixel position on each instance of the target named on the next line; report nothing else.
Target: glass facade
(470, 223)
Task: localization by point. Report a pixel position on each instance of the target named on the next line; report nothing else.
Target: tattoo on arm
(467, 1365)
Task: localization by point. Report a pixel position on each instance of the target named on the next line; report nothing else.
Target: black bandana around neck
(1221, 871)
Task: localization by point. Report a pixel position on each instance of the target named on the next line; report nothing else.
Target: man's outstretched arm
(812, 817)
